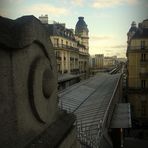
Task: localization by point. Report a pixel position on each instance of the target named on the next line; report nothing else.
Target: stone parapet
(28, 78)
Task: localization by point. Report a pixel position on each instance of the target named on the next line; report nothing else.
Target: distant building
(99, 61)
(137, 69)
(119, 60)
(92, 61)
(71, 49)
(110, 61)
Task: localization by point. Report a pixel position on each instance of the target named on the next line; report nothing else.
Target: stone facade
(137, 55)
(71, 49)
(28, 90)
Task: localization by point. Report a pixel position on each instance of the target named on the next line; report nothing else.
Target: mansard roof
(60, 30)
(141, 33)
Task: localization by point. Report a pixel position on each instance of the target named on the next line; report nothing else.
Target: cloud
(119, 46)
(112, 3)
(46, 9)
(78, 2)
(16, 1)
(101, 37)
(71, 3)
(3, 13)
(10, 2)
(108, 50)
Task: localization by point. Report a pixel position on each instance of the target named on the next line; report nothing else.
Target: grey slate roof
(141, 33)
(59, 30)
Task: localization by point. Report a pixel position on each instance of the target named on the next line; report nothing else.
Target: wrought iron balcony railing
(59, 46)
(138, 90)
(137, 48)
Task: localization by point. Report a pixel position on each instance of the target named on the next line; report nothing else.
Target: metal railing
(114, 99)
(137, 48)
(86, 139)
(65, 47)
(84, 132)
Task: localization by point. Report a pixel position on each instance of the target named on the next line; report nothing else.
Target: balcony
(74, 71)
(63, 46)
(83, 53)
(137, 90)
(130, 48)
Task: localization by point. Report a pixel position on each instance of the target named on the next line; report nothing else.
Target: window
(142, 44)
(143, 57)
(62, 42)
(56, 41)
(143, 108)
(66, 43)
(143, 83)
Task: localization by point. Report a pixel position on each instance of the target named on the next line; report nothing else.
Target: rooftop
(89, 100)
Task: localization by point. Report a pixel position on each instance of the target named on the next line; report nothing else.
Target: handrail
(108, 111)
(137, 47)
(65, 46)
(106, 115)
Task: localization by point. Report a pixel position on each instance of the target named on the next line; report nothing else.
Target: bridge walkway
(89, 101)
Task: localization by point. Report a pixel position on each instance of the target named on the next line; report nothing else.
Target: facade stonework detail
(29, 113)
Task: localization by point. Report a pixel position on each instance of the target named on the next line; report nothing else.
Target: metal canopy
(89, 100)
(121, 116)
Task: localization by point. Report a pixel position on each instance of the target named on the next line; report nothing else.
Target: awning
(121, 116)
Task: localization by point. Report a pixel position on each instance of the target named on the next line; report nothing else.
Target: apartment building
(99, 61)
(137, 69)
(71, 47)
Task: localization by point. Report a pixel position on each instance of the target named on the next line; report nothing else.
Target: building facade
(137, 70)
(82, 36)
(99, 61)
(65, 47)
(110, 61)
(71, 48)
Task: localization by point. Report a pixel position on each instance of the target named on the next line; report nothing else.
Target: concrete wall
(70, 141)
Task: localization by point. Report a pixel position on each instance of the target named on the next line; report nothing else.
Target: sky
(108, 20)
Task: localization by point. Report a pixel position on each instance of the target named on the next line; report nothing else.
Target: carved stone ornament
(28, 81)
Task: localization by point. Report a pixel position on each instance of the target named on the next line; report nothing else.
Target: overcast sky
(108, 20)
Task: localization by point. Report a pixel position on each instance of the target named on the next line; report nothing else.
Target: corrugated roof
(89, 100)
